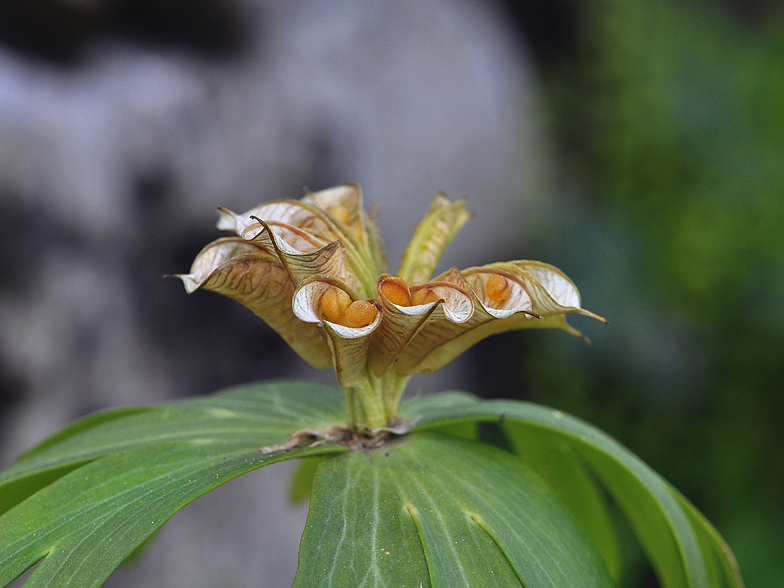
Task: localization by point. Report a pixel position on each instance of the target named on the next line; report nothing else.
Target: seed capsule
(497, 288)
(333, 304)
(423, 296)
(360, 313)
(396, 291)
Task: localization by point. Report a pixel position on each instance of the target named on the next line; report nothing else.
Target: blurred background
(637, 145)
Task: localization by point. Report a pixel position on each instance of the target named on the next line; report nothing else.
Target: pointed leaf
(122, 478)
(563, 470)
(213, 256)
(669, 533)
(537, 287)
(722, 567)
(443, 512)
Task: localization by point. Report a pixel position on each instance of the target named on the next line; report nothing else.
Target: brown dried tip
(423, 296)
(497, 288)
(396, 291)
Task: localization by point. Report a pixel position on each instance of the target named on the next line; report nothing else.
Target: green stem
(393, 392)
(351, 409)
(373, 405)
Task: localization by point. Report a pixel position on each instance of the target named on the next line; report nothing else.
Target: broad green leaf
(464, 429)
(675, 541)
(721, 562)
(13, 491)
(434, 510)
(122, 476)
(563, 470)
(256, 413)
(88, 422)
(433, 504)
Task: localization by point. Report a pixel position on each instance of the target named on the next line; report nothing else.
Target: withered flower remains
(313, 270)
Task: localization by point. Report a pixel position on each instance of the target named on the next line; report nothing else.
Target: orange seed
(497, 288)
(360, 313)
(333, 304)
(424, 296)
(396, 291)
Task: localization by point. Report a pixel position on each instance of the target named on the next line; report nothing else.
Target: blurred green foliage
(670, 122)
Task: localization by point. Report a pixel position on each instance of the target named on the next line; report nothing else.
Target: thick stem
(393, 392)
(351, 408)
(365, 406)
(374, 404)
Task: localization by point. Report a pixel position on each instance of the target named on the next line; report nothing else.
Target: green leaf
(433, 510)
(563, 470)
(464, 429)
(720, 560)
(684, 552)
(89, 422)
(122, 475)
(430, 509)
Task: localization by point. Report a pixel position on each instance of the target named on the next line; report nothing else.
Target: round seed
(497, 288)
(396, 291)
(333, 304)
(423, 296)
(360, 313)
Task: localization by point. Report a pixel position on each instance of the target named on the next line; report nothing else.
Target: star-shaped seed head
(313, 269)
